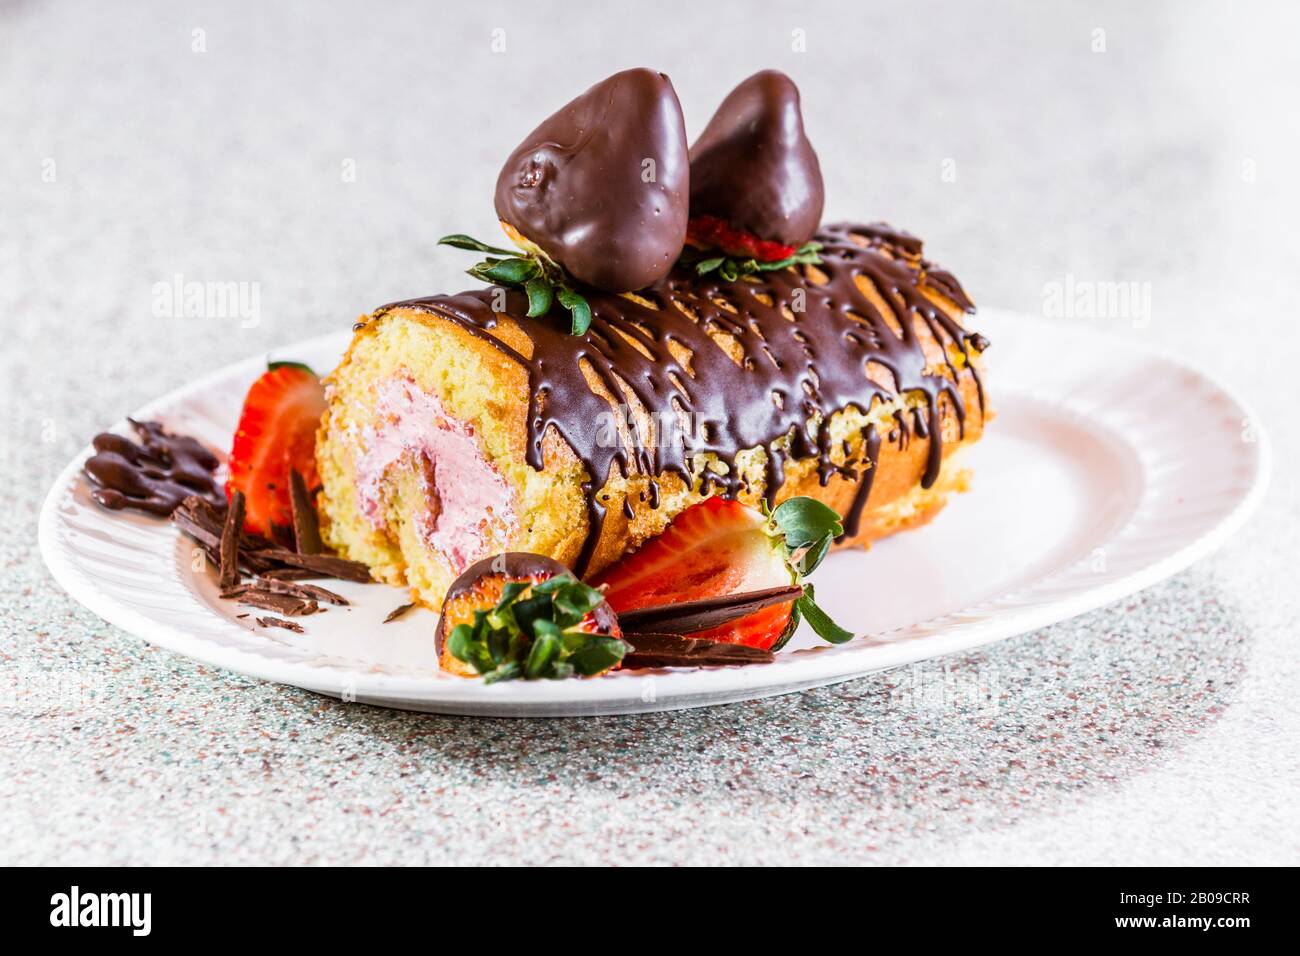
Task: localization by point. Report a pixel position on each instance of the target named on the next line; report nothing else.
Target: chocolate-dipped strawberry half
(525, 616)
(756, 185)
(601, 186)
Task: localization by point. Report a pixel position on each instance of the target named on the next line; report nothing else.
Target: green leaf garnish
(511, 272)
(805, 523)
(533, 633)
(807, 528)
(806, 562)
(578, 308)
(597, 655)
(545, 649)
(507, 671)
(541, 280)
(541, 296)
(819, 620)
(473, 245)
(272, 366)
(731, 269)
(511, 591)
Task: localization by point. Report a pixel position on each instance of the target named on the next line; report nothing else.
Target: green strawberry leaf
(598, 654)
(509, 593)
(508, 272)
(545, 649)
(272, 366)
(541, 295)
(578, 598)
(805, 521)
(553, 584)
(459, 241)
(579, 309)
(731, 269)
(806, 563)
(507, 671)
(819, 620)
(531, 610)
(539, 277)
(531, 633)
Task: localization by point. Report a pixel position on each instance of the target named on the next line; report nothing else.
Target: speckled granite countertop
(320, 152)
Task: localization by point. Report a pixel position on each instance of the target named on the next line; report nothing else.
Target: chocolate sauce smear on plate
(154, 476)
(804, 353)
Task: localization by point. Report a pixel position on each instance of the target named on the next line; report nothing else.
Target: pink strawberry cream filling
(467, 499)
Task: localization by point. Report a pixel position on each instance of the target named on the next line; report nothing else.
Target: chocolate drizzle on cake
(804, 348)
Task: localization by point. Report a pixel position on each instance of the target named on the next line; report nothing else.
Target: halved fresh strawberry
(276, 434)
(721, 547)
(710, 232)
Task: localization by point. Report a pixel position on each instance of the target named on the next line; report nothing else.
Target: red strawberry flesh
(276, 434)
(710, 232)
(715, 548)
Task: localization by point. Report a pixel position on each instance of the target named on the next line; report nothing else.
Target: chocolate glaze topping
(154, 476)
(601, 185)
(795, 365)
(753, 165)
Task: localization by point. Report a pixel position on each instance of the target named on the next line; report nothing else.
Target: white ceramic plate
(1109, 467)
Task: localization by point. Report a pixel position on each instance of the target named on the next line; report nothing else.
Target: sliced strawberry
(276, 433)
(715, 548)
(710, 232)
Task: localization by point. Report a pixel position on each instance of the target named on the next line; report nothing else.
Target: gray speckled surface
(1161, 730)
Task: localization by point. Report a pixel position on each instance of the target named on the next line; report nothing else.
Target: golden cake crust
(481, 384)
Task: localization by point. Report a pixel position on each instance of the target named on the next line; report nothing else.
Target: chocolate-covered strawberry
(756, 185)
(601, 186)
(525, 616)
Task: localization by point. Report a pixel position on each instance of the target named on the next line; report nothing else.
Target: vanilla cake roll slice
(456, 430)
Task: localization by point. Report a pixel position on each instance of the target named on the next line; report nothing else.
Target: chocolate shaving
(672, 650)
(288, 574)
(325, 565)
(154, 476)
(397, 612)
(280, 622)
(307, 592)
(230, 535)
(204, 522)
(193, 523)
(689, 617)
(306, 526)
(280, 603)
